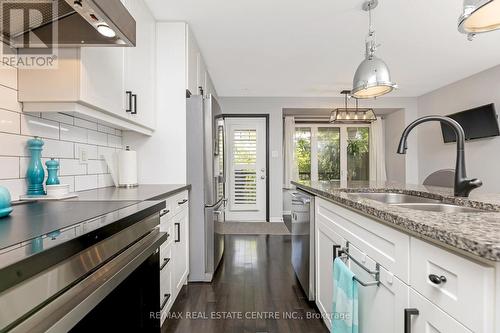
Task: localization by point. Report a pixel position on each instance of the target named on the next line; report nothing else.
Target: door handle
(408, 314)
(182, 202)
(178, 226)
(129, 106)
(134, 108)
(164, 212)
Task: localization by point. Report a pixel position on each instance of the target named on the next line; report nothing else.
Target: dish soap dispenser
(35, 174)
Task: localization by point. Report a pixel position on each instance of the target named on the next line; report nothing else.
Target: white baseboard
(276, 219)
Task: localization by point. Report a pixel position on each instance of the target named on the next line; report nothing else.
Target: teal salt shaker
(35, 174)
(5, 207)
(52, 169)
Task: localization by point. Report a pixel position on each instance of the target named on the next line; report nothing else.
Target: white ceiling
(312, 47)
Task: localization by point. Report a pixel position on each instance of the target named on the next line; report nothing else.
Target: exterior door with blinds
(246, 158)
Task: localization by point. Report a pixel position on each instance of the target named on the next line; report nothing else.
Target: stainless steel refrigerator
(205, 173)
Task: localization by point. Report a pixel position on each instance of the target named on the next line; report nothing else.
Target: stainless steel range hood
(66, 23)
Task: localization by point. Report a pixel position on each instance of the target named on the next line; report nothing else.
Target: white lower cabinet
(430, 318)
(174, 253)
(463, 301)
(381, 309)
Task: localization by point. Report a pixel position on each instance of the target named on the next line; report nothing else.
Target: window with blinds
(244, 165)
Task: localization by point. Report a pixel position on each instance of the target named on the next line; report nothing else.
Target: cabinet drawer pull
(182, 202)
(165, 262)
(129, 106)
(164, 212)
(408, 314)
(164, 302)
(178, 226)
(437, 279)
(134, 107)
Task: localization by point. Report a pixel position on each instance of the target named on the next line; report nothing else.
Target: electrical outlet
(83, 155)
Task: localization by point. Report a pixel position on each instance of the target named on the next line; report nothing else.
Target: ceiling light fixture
(352, 115)
(479, 16)
(372, 78)
(106, 31)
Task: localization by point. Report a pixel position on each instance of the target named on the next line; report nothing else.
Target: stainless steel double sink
(414, 202)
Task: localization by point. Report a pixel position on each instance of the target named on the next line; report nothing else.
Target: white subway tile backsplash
(40, 127)
(91, 151)
(105, 180)
(9, 167)
(83, 183)
(97, 167)
(114, 141)
(60, 117)
(16, 187)
(57, 149)
(71, 168)
(86, 124)
(12, 145)
(97, 138)
(73, 133)
(118, 132)
(104, 151)
(105, 129)
(10, 122)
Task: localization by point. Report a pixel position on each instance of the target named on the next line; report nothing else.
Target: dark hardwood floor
(255, 279)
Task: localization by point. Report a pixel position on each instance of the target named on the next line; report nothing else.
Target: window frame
(343, 147)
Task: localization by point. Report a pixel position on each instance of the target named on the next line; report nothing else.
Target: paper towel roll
(127, 168)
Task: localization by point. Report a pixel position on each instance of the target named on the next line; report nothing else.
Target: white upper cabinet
(94, 81)
(140, 67)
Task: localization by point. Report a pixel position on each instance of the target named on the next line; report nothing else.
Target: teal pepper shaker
(52, 170)
(35, 174)
(5, 207)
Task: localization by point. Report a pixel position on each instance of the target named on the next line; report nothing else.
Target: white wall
(394, 124)
(482, 156)
(162, 157)
(274, 107)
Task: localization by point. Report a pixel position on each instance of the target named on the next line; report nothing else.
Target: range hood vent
(66, 23)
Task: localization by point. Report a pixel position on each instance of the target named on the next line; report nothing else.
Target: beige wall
(482, 156)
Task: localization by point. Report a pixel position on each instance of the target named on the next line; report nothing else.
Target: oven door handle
(69, 308)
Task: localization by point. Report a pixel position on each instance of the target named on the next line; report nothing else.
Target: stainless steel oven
(303, 241)
(114, 283)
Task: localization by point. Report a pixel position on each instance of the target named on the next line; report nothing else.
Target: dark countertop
(140, 193)
(476, 234)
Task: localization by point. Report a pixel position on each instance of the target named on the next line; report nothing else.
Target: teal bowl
(5, 207)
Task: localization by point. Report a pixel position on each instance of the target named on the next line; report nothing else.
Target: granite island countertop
(476, 234)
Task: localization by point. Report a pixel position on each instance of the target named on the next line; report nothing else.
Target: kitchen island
(428, 267)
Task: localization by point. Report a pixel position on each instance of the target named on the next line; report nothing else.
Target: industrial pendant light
(479, 16)
(352, 115)
(372, 78)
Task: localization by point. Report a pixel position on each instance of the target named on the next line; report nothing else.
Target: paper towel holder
(116, 164)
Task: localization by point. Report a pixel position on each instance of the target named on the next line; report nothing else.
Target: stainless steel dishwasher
(303, 241)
